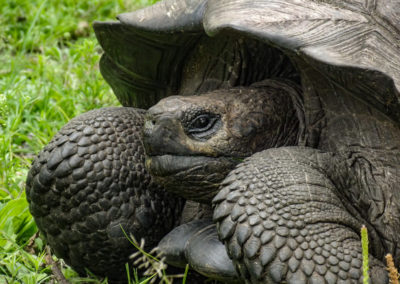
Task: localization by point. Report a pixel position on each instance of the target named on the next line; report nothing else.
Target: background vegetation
(48, 74)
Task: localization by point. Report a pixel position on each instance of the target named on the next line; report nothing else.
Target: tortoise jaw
(192, 177)
(166, 165)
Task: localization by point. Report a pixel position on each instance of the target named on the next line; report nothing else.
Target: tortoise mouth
(166, 165)
(192, 177)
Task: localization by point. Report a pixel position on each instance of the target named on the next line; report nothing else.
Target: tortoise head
(192, 142)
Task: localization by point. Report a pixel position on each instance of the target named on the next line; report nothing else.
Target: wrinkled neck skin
(366, 166)
(269, 114)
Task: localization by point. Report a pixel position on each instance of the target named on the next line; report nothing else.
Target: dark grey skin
(192, 143)
(89, 187)
(283, 214)
(344, 166)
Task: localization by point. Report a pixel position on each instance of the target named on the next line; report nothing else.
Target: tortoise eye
(200, 122)
(203, 126)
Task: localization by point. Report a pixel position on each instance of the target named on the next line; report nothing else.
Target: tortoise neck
(352, 125)
(336, 120)
(367, 140)
(229, 60)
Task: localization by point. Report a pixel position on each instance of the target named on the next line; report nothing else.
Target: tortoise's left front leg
(282, 219)
(89, 185)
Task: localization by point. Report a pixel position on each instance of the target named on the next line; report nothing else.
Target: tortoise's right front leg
(90, 183)
(281, 219)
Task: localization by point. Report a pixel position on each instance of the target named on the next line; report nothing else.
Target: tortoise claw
(208, 256)
(197, 243)
(172, 246)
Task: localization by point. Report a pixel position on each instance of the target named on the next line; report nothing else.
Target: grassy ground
(48, 74)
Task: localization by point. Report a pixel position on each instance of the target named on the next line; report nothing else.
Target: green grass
(48, 74)
(364, 245)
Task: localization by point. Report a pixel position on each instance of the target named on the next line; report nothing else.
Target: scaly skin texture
(370, 143)
(294, 214)
(282, 218)
(345, 55)
(90, 181)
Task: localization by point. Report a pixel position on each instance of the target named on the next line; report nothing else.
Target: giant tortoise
(272, 135)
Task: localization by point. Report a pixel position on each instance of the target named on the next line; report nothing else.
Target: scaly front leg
(281, 219)
(89, 183)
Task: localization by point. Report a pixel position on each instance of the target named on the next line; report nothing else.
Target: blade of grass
(393, 273)
(364, 244)
(28, 34)
(186, 273)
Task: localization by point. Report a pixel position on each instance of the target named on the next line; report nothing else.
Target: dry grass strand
(393, 273)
